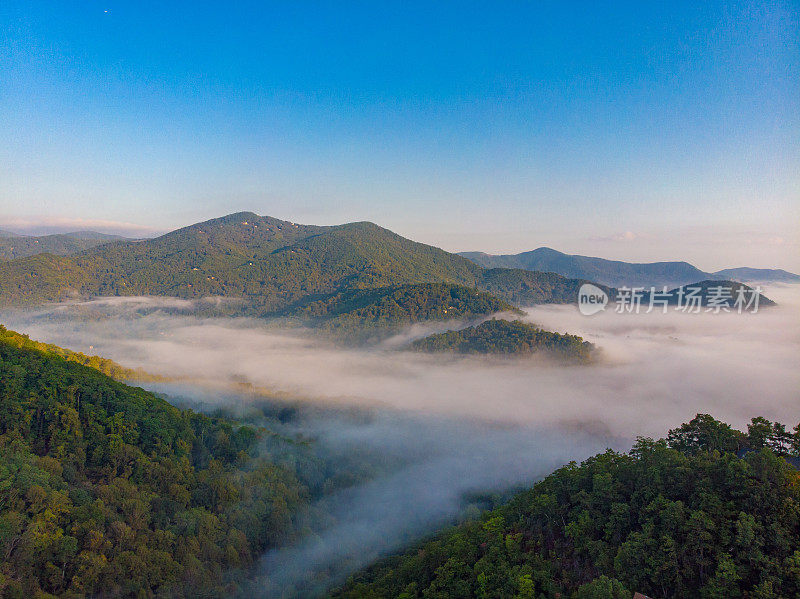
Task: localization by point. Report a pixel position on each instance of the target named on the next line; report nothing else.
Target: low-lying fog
(452, 425)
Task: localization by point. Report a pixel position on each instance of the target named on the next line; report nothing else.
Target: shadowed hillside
(63, 244)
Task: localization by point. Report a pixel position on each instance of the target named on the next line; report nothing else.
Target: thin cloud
(47, 225)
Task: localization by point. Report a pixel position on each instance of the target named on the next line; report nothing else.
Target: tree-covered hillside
(504, 337)
(62, 244)
(107, 490)
(271, 264)
(363, 313)
(709, 512)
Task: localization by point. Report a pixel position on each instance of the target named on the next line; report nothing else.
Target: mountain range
(624, 274)
(272, 265)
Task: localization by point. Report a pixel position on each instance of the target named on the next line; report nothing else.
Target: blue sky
(638, 131)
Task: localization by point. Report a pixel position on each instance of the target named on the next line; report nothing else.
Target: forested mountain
(271, 264)
(709, 512)
(616, 273)
(63, 244)
(504, 337)
(359, 314)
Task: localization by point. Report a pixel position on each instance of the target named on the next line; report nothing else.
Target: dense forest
(108, 490)
(708, 512)
(500, 336)
(374, 313)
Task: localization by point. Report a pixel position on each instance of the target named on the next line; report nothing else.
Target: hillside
(681, 517)
(108, 490)
(362, 314)
(271, 264)
(503, 337)
(65, 244)
(616, 273)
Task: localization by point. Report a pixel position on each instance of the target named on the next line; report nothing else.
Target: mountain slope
(616, 273)
(109, 491)
(685, 517)
(271, 264)
(64, 244)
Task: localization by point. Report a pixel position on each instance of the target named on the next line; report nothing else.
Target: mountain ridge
(268, 262)
(617, 273)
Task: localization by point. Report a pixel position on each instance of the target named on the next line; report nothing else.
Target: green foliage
(498, 336)
(369, 313)
(689, 520)
(108, 490)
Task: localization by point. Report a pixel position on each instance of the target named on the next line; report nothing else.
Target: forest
(108, 490)
(708, 512)
(370, 314)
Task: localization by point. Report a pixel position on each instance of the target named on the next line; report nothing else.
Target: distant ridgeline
(503, 337)
(709, 512)
(617, 274)
(64, 244)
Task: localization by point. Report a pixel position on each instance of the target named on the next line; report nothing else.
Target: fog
(655, 371)
(446, 426)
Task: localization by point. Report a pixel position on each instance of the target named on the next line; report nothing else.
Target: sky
(634, 131)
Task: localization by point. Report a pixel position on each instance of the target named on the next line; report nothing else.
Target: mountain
(712, 292)
(63, 244)
(504, 337)
(269, 263)
(621, 274)
(707, 512)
